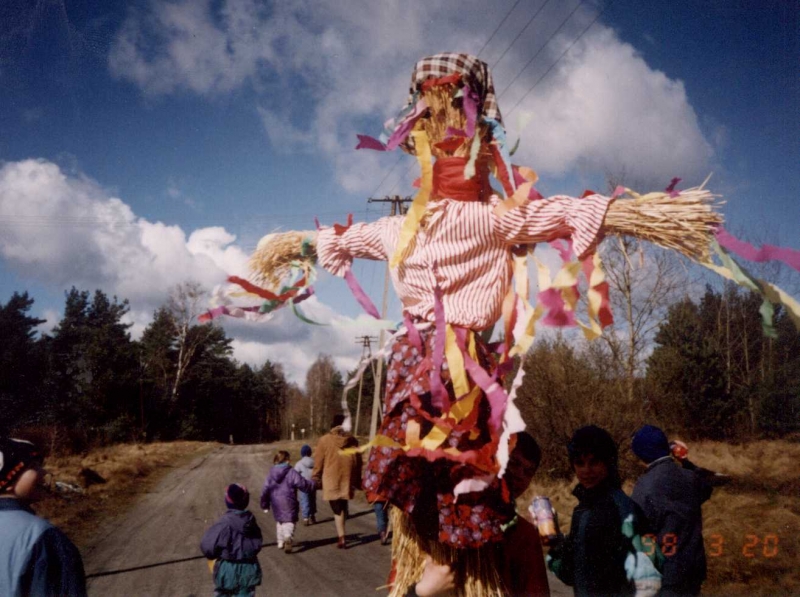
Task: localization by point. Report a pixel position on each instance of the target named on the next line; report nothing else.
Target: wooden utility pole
(398, 207)
(366, 353)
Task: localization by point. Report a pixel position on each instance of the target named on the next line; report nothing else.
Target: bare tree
(324, 389)
(185, 303)
(644, 281)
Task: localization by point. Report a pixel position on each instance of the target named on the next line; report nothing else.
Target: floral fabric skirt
(421, 482)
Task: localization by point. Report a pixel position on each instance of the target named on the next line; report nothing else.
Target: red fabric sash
(449, 182)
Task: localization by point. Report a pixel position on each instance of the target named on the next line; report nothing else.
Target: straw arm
(685, 222)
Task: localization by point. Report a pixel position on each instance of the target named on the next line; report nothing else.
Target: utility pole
(398, 207)
(366, 353)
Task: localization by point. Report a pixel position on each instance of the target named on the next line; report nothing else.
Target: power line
(528, 24)
(508, 14)
(564, 53)
(539, 51)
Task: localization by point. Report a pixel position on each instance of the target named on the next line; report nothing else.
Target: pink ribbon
(492, 388)
(470, 102)
(398, 135)
(360, 295)
(439, 397)
(790, 257)
(557, 315)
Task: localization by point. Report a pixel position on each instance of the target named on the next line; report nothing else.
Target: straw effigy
(475, 569)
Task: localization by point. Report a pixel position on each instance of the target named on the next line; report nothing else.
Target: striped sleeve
(335, 252)
(556, 217)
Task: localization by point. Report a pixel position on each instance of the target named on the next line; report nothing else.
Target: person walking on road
(339, 474)
(233, 543)
(671, 498)
(280, 495)
(308, 499)
(36, 558)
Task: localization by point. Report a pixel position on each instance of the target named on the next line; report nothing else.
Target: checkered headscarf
(474, 72)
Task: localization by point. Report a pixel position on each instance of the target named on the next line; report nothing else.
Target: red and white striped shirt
(464, 248)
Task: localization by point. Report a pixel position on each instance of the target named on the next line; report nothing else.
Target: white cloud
(66, 230)
(322, 69)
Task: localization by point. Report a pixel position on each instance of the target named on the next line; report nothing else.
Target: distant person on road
(340, 474)
(308, 499)
(671, 498)
(35, 557)
(279, 494)
(233, 543)
(601, 555)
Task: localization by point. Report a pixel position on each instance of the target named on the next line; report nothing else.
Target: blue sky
(144, 143)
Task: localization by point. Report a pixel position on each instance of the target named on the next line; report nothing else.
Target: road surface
(153, 549)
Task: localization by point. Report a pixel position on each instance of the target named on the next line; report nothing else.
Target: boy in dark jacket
(234, 542)
(35, 557)
(671, 498)
(603, 554)
(280, 495)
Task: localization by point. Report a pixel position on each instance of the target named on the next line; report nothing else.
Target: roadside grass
(751, 525)
(127, 469)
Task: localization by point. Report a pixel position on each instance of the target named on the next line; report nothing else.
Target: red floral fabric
(422, 485)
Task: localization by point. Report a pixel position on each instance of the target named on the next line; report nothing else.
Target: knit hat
(16, 456)
(650, 443)
(237, 497)
(305, 450)
(599, 443)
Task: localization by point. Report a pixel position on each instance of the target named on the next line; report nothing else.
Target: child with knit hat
(308, 499)
(38, 559)
(671, 498)
(233, 543)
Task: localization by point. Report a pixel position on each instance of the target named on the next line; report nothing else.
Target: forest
(701, 367)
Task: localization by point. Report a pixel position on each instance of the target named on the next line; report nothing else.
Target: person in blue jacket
(671, 498)
(603, 553)
(233, 543)
(308, 499)
(36, 559)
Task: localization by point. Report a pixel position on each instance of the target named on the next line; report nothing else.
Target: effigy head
(458, 92)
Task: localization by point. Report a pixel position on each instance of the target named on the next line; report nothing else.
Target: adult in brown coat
(340, 474)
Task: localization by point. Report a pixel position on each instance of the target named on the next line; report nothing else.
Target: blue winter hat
(237, 497)
(650, 443)
(305, 450)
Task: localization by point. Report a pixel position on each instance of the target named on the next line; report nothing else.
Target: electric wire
(539, 51)
(564, 53)
(491, 37)
(528, 24)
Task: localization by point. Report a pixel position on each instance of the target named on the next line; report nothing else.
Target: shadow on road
(144, 567)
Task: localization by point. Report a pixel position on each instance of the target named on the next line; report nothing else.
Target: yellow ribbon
(455, 362)
(419, 205)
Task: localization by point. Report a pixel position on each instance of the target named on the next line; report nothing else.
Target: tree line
(87, 382)
(702, 368)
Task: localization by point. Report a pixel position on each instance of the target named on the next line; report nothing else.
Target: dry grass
(128, 469)
(760, 502)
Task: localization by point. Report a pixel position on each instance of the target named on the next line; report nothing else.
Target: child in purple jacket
(280, 495)
(233, 542)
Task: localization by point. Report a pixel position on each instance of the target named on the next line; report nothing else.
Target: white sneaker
(280, 544)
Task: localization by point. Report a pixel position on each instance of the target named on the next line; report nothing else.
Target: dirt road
(153, 550)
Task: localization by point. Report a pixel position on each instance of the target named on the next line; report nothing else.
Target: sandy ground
(153, 549)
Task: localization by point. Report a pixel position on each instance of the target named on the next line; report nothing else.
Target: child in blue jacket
(234, 542)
